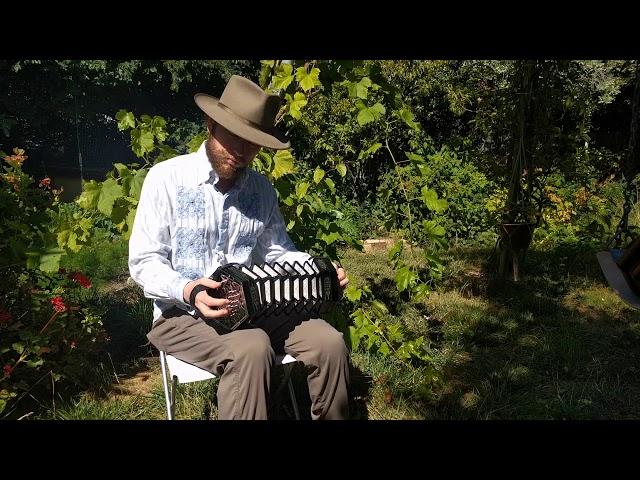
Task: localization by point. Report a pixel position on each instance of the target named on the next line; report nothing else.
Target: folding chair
(175, 371)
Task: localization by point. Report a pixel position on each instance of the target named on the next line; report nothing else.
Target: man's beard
(220, 165)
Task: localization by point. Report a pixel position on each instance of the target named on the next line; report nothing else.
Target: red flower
(7, 369)
(73, 344)
(5, 317)
(81, 279)
(45, 182)
(58, 304)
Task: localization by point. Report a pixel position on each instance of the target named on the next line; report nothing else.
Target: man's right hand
(208, 306)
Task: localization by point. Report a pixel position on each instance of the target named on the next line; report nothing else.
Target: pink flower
(73, 344)
(7, 369)
(81, 279)
(58, 304)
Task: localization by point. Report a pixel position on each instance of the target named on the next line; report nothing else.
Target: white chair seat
(175, 371)
(187, 372)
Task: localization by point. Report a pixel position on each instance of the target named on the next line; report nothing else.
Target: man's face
(229, 154)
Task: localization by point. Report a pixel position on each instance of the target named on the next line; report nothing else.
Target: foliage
(46, 329)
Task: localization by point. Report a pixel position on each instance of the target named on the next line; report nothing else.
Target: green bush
(46, 329)
(453, 177)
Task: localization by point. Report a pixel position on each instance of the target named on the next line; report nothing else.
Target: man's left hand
(342, 277)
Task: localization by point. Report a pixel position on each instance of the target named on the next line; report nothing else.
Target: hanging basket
(517, 235)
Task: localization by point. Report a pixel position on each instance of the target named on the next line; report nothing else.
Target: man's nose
(241, 148)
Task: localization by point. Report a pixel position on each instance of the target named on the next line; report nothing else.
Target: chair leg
(168, 395)
(292, 393)
(174, 387)
(294, 402)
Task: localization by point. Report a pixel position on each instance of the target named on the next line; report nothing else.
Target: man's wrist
(186, 291)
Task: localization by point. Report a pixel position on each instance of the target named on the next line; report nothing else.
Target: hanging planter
(516, 235)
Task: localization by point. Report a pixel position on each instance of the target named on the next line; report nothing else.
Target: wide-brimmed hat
(621, 268)
(247, 111)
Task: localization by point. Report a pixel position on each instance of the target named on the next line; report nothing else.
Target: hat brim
(617, 280)
(269, 138)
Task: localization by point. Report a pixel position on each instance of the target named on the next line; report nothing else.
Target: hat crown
(249, 101)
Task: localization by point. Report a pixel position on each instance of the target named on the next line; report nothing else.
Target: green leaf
(308, 80)
(432, 229)
(158, 125)
(50, 260)
(365, 116)
(62, 237)
(342, 169)
(378, 108)
(108, 193)
(301, 190)
(17, 347)
(330, 184)
(404, 277)
(394, 333)
(379, 308)
(430, 198)
(194, 144)
(283, 78)
(384, 349)
(318, 174)
(283, 164)
(369, 151)
(425, 170)
(331, 237)
(359, 89)
(369, 114)
(354, 337)
(141, 142)
(130, 219)
(71, 242)
(353, 293)
(125, 120)
(137, 182)
(421, 291)
(407, 116)
(299, 209)
(122, 169)
(90, 194)
(414, 157)
(396, 251)
(296, 104)
(291, 224)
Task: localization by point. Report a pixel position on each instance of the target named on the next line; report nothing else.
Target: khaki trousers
(242, 359)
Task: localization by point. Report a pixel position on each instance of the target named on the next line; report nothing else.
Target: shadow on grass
(558, 344)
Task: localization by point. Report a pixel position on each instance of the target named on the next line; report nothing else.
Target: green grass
(557, 345)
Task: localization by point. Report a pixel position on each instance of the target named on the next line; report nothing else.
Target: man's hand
(209, 306)
(342, 277)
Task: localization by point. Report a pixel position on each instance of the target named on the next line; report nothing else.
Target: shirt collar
(206, 173)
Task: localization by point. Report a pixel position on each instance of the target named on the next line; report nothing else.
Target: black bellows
(263, 295)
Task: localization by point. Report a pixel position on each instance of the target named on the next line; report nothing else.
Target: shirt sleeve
(274, 244)
(150, 245)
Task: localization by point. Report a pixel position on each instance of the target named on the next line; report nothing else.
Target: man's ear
(210, 125)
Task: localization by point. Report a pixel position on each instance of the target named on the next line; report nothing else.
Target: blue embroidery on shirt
(190, 202)
(189, 272)
(190, 242)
